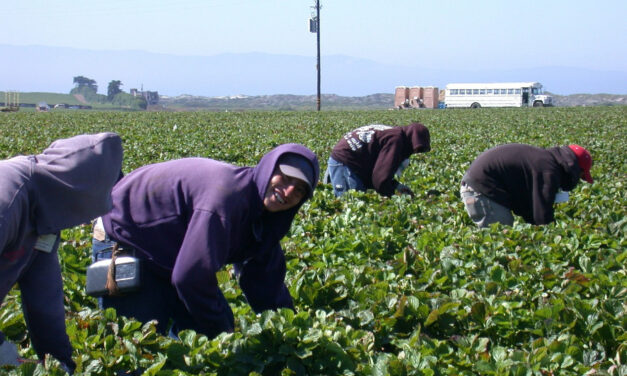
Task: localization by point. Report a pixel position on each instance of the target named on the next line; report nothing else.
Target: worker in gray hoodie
(68, 184)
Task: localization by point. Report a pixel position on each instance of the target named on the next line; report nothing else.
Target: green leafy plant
(381, 286)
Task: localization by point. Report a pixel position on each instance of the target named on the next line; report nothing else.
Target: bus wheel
(538, 104)
(475, 105)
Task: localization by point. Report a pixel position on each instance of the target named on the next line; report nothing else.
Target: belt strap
(111, 284)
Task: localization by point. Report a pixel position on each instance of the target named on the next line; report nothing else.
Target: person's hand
(67, 369)
(8, 354)
(404, 190)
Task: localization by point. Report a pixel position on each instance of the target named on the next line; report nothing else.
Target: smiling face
(283, 192)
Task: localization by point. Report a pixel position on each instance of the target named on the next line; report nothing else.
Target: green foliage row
(395, 286)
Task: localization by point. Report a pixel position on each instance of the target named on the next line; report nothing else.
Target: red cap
(584, 160)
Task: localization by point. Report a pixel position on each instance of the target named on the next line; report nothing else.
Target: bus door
(525, 96)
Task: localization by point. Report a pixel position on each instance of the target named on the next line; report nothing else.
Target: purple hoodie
(374, 152)
(189, 217)
(67, 185)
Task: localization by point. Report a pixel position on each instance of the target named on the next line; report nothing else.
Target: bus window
(518, 91)
(489, 91)
(535, 91)
(453, 91)
(475, 91)
(510, 91)
(482, 91)
(503, 91)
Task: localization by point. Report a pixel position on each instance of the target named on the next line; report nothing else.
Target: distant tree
(84, 82)
(113, 89)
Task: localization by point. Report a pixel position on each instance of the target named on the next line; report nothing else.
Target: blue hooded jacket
(68, 184)
(190, 217)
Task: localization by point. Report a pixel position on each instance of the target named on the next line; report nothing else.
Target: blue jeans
(156, 299)
(342, 178)
(482, 210)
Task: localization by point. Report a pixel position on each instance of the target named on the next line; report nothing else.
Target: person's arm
(42, 302)
(262, 279)
(201, 255)
(545, 188)
(384, 169)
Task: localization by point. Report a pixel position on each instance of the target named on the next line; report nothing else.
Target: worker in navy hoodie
(68, 184)
(373, 156)
(523, 179)
(186, 219)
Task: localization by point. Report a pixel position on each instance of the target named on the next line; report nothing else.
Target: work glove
(405, 190)
(8, 354)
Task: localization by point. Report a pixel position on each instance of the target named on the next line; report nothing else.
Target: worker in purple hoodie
(68, 184)
(186, 219)
(373, 156)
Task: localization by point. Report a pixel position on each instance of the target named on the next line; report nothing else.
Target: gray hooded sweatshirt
(66, 185)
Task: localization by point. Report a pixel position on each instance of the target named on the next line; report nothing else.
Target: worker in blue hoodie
(68, 184)
(186, 219)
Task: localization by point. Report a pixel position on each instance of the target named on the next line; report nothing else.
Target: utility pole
(314, 27)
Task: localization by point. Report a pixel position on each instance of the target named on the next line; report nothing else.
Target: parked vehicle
(502, 94)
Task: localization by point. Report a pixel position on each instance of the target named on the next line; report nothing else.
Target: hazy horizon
(366, 46)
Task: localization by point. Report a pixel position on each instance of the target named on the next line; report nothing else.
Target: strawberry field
(381, 286)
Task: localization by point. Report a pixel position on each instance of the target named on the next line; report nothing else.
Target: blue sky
(474, 35)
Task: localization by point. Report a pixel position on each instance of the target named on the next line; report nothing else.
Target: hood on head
(73, 179)
(265, 167)
(418, 136)
(279, 222)
(584, 160)
(571, 172)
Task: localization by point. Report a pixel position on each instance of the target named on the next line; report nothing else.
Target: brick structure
(431, 97)
(401, 97)
(415, 96)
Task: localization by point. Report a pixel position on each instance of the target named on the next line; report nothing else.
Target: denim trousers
(156, 299)
(342, 178)
(482, 210)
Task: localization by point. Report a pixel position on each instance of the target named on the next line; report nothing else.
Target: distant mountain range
(52, 69)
